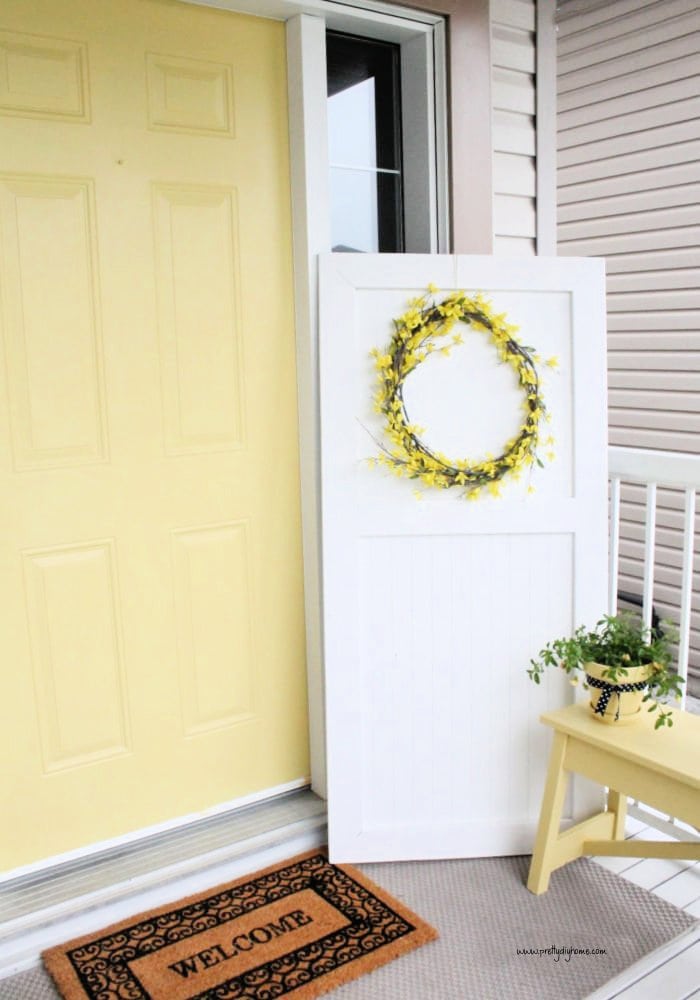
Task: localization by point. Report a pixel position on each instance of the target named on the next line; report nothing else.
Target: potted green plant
(623, 663)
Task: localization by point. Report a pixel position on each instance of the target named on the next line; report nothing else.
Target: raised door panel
(51, 321)
(197, 261)
(190, 95)
(43, 77)
(212, 578)
(73, 619)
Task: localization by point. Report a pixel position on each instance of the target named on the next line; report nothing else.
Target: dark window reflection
(364, 137)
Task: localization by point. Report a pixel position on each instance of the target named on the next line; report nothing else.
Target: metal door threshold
(158, 858)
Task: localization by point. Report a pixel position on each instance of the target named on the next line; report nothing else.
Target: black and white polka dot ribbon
(608, 690)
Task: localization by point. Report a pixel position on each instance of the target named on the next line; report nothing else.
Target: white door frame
(311, 221)
(423, 42)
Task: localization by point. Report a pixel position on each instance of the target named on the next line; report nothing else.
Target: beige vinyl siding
(513, 102)
(628, 178)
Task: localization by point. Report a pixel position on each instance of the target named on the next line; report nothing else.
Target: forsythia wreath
(422, 331)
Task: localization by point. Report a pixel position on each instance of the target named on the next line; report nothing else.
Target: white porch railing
(653, 469)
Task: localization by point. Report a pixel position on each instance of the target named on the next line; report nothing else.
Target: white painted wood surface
(306, 84)
(421, 37)
(650, 470)
(433, 606)
(671, 600)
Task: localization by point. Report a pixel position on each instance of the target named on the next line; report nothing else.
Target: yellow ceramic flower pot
(619, 702)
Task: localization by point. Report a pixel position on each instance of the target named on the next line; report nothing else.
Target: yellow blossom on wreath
(420, 331)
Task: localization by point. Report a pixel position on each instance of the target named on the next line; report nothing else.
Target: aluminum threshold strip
(159, 857)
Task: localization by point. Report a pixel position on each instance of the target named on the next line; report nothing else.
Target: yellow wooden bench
(659, 767)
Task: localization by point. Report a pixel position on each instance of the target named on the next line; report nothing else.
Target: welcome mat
(301, 927)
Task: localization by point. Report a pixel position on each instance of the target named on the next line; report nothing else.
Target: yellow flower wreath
(420, 332)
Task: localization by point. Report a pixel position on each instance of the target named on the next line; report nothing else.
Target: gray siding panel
(639, 161)
(579, 15)
(615, 47)
(674, 194)
(613, 70)
(628, 124)
(513, 103)
(624, 124)
(622, 145)
(629, 84)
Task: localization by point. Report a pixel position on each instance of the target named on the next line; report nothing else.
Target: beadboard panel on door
(433, 605)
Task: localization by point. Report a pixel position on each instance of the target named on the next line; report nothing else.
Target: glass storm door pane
(354, 216)
(364, 140)
(352, 125)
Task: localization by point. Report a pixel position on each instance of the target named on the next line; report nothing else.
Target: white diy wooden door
(433, 605)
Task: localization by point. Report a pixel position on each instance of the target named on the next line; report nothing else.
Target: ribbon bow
(608, 690)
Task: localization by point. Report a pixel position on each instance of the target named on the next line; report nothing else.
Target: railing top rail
(666, 468)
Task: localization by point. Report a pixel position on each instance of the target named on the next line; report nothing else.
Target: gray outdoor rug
(485, 915)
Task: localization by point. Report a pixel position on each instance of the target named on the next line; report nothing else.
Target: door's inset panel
(43, 77)
(189, 95)
(213, 603)
(470, 402)
(51, 321)
(197, 266)
(426, 644)
(75, 631)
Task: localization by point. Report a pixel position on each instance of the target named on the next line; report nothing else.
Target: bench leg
(543, 855)
(617, 804)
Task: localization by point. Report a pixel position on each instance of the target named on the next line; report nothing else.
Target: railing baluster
(614, 570)
(687, 585)
(649, 545)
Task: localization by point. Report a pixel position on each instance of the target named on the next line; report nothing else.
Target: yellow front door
(151, 633)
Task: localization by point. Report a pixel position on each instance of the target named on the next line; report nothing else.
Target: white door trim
(311, 235)
(349, 10)
(306, 24)
(306, 66)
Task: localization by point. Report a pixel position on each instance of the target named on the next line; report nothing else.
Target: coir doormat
(297, 929)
